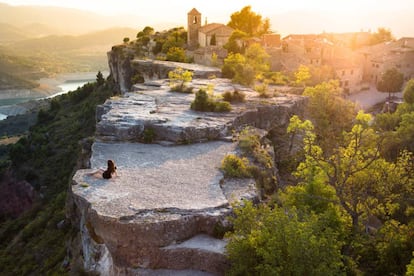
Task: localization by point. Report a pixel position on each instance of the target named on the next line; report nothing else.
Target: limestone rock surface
(165, 211)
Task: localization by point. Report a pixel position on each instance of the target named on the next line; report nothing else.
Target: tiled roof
(218, 29)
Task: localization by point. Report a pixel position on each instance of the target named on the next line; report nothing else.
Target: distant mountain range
(40, 21)
(37, 42)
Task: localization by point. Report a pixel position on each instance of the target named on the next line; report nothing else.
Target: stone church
(213, 34)
(208, 40)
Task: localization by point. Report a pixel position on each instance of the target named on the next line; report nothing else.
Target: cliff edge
(166, 211)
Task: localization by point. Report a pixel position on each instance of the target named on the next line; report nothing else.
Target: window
(352, 72)
(195, 20)
(346, 84)
(343, 72)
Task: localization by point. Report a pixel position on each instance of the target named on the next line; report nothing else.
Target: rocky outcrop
(156, 69)
(168, 117)
(124, 68)
(166, 211)
(120, 66)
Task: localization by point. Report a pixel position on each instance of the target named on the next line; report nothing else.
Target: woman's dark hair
(111, 166)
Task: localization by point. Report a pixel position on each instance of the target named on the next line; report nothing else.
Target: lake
(63, 83)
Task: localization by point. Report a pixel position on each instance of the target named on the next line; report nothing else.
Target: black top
(106, 174)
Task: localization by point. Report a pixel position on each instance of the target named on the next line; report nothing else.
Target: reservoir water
(69, 83)
(61, 84)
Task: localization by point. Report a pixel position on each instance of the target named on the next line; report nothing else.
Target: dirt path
(371, 97)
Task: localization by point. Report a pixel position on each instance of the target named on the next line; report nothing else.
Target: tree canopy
(249, 22)
(382, 35)
(391, 82)
(243, 69)
(409, 92)
(330, 113)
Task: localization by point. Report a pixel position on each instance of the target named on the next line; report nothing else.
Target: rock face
(165, 212)
(156, 69)
(123, 68)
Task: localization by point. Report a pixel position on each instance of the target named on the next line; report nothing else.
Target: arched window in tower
(195, 20)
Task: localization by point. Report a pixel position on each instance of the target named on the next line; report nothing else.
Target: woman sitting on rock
(108, 173)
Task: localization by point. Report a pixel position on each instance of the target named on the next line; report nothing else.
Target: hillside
(17, 72)
(27, 60)
(46, 159)
(10, 33)
(57, 43)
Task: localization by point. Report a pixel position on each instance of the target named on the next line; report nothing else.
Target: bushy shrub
(137, 78)
(203, 102)
(277, 78)
(222, 106)
(262, 89)
(176, 54)
(234, 97)
(179, 79)
(148, 135)
(234, 166)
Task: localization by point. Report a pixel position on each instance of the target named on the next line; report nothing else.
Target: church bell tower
(193, 25)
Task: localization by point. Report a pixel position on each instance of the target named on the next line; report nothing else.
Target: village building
(397, 54)
(206, 41)
(355, 63)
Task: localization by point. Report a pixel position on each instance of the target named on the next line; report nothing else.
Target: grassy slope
(33, 244)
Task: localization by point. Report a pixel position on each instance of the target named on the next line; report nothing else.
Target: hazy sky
(338, 15)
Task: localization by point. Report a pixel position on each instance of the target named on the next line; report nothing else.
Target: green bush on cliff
(179, 78)
(234, 166)
(204, 102)
(234, 97)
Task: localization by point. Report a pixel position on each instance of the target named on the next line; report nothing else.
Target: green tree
(409, 92)
(382, 35)
(147, 31)
(176, 54)
(249, 22)
(391, 82)
(302, 75)
(176, 38)
(364, 182)
(257, 57)
(179, 78)
(126, 40)
(410, 267)
(330, 113)
(279, 241)
(237, 42)
(397, 130)
(244, 69)
(100, 79)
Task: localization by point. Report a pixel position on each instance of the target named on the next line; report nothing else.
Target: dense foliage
(245, 68)
(35, 243)
(205, 102)
(249, 22)
(391, 82)
(351, 210)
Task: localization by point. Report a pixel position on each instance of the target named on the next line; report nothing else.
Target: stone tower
(194, 24)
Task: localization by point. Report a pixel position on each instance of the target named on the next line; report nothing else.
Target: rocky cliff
(124, 68)
(165, 212)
